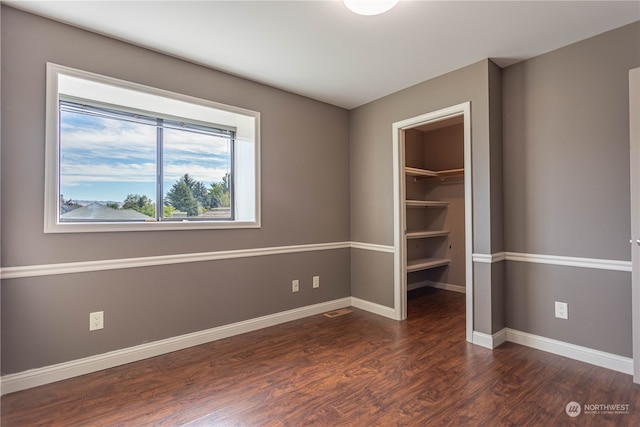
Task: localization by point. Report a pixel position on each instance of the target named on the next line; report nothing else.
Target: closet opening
(433, 236)
(434, 205)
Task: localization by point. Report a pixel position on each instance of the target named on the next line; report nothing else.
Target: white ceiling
(322, 50)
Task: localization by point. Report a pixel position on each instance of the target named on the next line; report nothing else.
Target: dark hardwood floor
(358, 369)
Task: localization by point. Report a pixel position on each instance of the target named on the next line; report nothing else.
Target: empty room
(290, 213)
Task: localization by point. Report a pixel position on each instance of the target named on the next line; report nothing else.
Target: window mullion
(232, 168)
(159, 171)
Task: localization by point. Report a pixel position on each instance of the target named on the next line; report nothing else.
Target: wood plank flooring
(358, 369)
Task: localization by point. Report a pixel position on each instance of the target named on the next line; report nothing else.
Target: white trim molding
(380, 310)
(634, 175)
(489, 341)
(560, 348)
(399, 216)
(48, 374)
(572, 351)
(601, 264)
(567, 261)
(149, 261)
(373, 247)
(488, 258)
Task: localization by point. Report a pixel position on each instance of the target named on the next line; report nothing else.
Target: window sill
(92, 227)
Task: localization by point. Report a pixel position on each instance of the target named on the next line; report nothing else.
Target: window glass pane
(107, 169)
(197, 170)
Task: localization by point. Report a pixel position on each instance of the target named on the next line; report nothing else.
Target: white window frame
(78, 83)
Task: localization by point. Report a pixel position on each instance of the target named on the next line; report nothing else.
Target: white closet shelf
(426, 204)
(425, 173)
(425, 263)
(422, 234)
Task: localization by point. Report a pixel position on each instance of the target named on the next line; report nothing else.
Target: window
(122, 156)
(114, 164)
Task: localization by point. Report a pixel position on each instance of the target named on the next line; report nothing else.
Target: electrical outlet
(295, 286)
(96, 320)
(316, 281)
(562, 310)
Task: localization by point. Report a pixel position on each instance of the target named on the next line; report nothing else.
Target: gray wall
(371, 147)
(44, 319)
(550, 171)
(371, 170)
(496, 273)
(566, 188)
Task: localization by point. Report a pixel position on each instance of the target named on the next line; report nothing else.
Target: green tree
(142, 204)
(191, 196)
(201, 194)
(190, 182)
(215, 195)
(135, 201)
(168, 211)
(219, 192)
(181, 198)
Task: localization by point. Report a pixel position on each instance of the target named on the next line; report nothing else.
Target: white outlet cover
(295, 286)
(316, 281)
(96, 320)
(562, 310)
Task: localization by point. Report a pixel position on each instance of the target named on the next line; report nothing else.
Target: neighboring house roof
(216, 213)
(98, 211)
(68, 207)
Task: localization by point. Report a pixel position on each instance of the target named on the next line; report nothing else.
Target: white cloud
(115, 151)
(188, 142)
(78, 174)
(112, 137)
(198, 172)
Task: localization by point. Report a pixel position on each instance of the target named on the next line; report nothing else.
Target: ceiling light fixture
(369, 7)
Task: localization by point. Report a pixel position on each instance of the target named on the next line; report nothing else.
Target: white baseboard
(48, 374)
(489, 341)
(561, 348)
(572, 351)
(439, 285)
(374, 308)
(40, 376)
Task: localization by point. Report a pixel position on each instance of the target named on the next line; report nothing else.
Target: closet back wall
(44, 319)
(444, 150)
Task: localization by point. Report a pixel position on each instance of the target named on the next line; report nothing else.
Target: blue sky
(107, 159)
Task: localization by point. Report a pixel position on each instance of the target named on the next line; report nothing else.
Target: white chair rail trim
(148, 261)
(601, 264)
